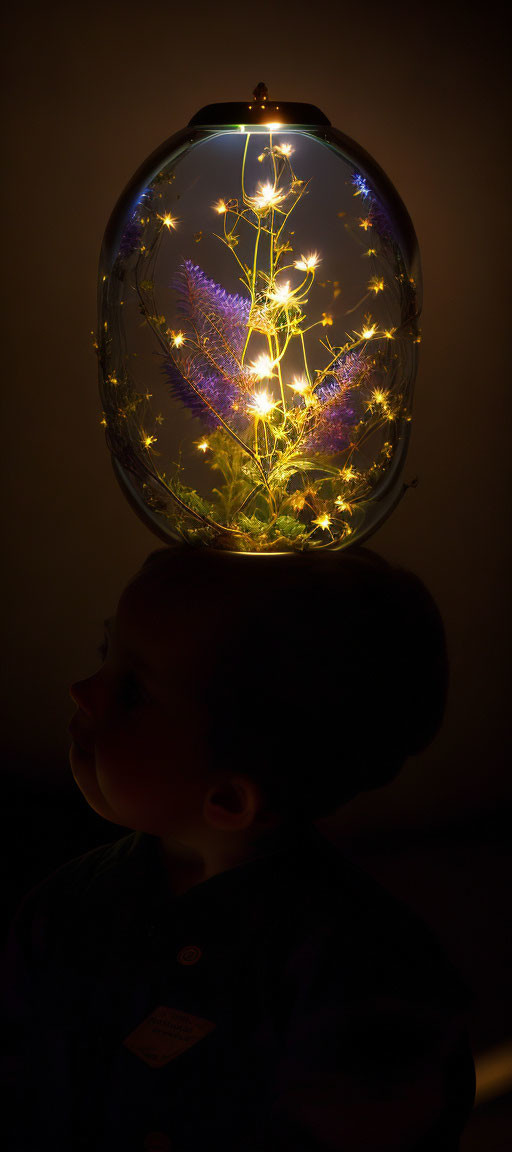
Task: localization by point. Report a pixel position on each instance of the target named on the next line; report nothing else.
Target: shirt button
(157, 1142)
(189, 955)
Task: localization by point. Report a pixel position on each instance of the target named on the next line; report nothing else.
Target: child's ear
(233, 805)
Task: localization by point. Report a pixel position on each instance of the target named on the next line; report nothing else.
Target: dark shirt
(289, 1003)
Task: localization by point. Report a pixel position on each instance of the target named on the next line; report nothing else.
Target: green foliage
(290, 527)
(252, 525)
(191, 498)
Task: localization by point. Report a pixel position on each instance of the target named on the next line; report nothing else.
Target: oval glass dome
(259, 294)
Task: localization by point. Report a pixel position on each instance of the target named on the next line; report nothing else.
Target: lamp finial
(260, 91)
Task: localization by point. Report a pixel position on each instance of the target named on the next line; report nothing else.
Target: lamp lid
(259, 110)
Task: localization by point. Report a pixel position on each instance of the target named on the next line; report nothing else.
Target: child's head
(275, 689)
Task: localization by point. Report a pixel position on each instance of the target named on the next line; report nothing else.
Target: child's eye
(130, 691)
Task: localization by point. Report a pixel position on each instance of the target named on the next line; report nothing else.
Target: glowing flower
(323, 521)
(307, 263)
(361, 186)
(285, 149)
(220, 206)
(300, 385)
(263, 404)
(262, 367)
(177, 339)
(147, 441)
(283, 293)
(368, 331)
(379, 399)
(203, 445)
(376, 285)
(267, 197)
(348, 472)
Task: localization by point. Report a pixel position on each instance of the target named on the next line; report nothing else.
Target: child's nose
(82, 694)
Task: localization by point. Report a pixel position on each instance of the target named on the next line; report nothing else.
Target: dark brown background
(89, 91)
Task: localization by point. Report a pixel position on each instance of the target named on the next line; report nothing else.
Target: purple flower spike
(207, 373)
(340, 406)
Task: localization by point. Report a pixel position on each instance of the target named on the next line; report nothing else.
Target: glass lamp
(259, 296)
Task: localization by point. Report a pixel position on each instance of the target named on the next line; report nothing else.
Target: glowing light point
(177, 339)
(267, 197)
(366, 223)
(263, 404)
(220, 206)
(368, 331)
(322, 521)
(203, 446)
(168, 221)
(147, 440)
(285, 149)
(376, 285)
(342, 505)
(390, 333)
(326, 319)
(348, 472)
(262, 367)
(283, 293)
(300, 385)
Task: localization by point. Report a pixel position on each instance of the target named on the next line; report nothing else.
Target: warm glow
(203, 445)
(177, 339)
(147, 441)
(322, 521)
(376, 285)
(220, 206)
(300, 385)
(379, 398)
(262, 367)
(307, 263)
(283, 293)
(348, 472)
(368, 332)
(267, 197)
(263, 404)
(286, 149)
(168, 221)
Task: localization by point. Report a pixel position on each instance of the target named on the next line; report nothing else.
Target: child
(223, 976)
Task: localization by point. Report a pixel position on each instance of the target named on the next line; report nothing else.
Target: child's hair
(318, 674)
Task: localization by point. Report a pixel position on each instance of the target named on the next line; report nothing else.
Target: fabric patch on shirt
(165, 1034)
(189, 955)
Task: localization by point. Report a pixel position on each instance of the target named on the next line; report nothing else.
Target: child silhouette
(224, 975)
